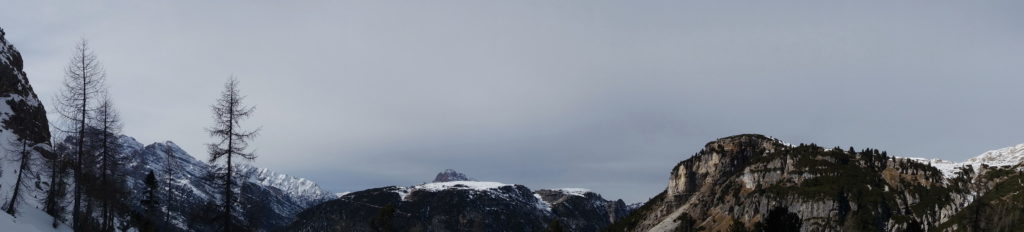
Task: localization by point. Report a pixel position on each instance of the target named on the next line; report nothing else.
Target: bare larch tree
(83, 82)
(232, 143)
(170, 168)
(23, 155)
(108, 126)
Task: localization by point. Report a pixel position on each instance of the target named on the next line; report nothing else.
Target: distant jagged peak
(449, 175)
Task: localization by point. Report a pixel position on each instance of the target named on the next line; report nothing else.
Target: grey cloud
(605, 95)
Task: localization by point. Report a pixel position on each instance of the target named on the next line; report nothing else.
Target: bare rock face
(753, 182)
(21, 112)
(449, 175)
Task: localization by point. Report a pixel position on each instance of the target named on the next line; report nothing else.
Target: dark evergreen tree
(149, 203)
(232, 142)
(382, 222)
(555, 226)
(781, 220)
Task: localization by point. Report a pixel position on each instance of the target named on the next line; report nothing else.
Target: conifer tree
(232, 143)
(149, 203)
(22, 155)
(170, 168)
(83, 82)
(108, 125)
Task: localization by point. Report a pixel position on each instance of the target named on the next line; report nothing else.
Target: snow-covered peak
(451, 175)
(1000, 157)
(300, 188)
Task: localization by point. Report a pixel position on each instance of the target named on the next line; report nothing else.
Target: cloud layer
(601, 95)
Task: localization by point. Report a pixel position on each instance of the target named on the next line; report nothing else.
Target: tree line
(83, 167)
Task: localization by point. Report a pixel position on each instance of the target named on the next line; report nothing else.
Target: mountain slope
(22, 118)
(752, 182)
(461, 206)
(271, 197)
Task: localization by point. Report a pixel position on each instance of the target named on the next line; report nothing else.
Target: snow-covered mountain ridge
(301, 189)
(453, 201)
(1002, 157)
(275, 197)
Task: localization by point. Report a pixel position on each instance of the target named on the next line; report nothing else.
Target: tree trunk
(17, 183)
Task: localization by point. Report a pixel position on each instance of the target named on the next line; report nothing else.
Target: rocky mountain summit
(461, 205)
(754, 183)
(451, 175)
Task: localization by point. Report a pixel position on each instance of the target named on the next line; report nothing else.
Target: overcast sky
(601, 95)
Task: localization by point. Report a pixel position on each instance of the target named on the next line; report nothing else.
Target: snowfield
(474, 185)
(29, 220)
(480, 186)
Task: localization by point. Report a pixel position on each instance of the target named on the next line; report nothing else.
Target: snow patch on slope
(573, 191)
(474, 185)
(30, 220)
(541, 204)
(477, 186)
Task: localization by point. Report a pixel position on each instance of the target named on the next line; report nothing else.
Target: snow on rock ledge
(474, 185)
(573, 191)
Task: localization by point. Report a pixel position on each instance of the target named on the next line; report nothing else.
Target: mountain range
(455, 203)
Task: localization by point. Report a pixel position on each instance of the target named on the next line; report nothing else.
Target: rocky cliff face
(23, 127)
(752, 182)
(461, 206)
(22, 115)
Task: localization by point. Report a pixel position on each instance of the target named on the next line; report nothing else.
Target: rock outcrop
(22, 115)
(451, 175)
(749, 182)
